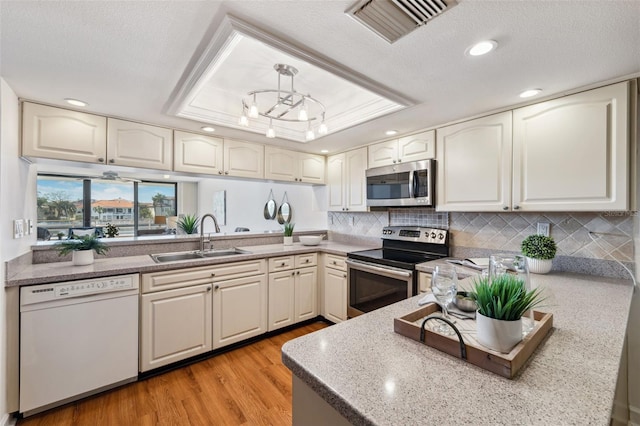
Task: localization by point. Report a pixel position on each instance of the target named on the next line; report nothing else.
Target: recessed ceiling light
(482, 48)
(529, 93)
(208, 129)
(166, 176)
(391, 132)
(324, 151)
(76, 102)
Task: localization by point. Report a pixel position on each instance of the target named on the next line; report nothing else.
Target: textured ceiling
(129, 58)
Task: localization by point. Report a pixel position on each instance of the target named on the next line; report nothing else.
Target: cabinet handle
(219, 172)
(307, 261)
(111, 161)
(293, 273)
(213, 274)
(334, 262)
(208, 289)
(100, 160)
(399, 160)
(344, 275)
(516, 207)
(226, 173)
(505, 208)
(282, 264)
(298, 272)
(394, 161)
(216, 287)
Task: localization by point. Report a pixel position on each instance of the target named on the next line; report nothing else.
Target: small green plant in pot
(539, 250)
(501, 304)
(189, 223)
(82, 249)
(288, 233)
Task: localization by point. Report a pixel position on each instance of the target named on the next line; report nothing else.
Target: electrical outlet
(18, 228)
(351, 220)
(29, 223)
(543, 228)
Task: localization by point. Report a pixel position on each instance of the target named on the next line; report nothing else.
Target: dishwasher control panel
(47, 292)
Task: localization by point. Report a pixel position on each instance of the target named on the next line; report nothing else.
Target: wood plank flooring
(246, 386)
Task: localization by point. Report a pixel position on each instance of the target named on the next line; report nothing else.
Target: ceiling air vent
(393, 19)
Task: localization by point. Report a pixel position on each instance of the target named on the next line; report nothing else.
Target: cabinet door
(57, 133)
(139, 145)
(280, 164)
(335, 295)
(572, 153)
(474, 165)
(243, 159)
(306, 294)
(311, 168)
(421, 146)
(239, 309)
(356, 182)
(175, 325)
(336, 178)
(197, 153)
(383, 154)
(282, 301)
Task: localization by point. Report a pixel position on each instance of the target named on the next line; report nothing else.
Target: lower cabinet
(175, 325)
(335, 288)
(239, 309)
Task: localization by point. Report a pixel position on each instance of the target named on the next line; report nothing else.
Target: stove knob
(433, 235)
(441, 236)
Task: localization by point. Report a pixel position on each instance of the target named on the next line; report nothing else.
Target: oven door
(372, 286)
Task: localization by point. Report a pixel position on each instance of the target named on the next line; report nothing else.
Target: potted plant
(111, 230)
(189, 223)
(539, 250)
(288, 233)
(501, 303)
(82, 249)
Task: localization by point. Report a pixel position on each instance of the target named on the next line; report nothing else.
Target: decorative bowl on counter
(310, 240)
(464, 302)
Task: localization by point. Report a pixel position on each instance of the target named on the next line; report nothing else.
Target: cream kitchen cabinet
(175, 325)
(474, 165)
(243, 159)
(194, 153)
(573, 153)
(62, 134)
(282, 164)
(335, 288)
(421, 146)
(347, 181)
(139, 145)
(293, 283)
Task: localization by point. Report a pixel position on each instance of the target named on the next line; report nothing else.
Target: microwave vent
(393, 19)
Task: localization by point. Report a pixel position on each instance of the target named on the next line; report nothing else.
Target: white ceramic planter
(82, 257)
(288, 241)
(498, 335)
(539, 266)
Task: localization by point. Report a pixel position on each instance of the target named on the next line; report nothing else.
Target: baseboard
(619, 414)
(634, 415)
(8, 420)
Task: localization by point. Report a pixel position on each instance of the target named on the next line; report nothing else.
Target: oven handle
(382, 270)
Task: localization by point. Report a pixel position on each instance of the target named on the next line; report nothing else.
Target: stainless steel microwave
(403, 184)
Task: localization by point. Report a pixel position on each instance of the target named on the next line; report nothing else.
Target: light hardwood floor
(246, 386)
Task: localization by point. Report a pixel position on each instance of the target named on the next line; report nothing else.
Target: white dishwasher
(76, 339)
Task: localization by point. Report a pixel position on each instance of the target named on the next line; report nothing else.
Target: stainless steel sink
(192, 255)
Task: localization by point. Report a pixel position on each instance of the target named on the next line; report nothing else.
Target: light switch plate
(18, 228)
(543, 228)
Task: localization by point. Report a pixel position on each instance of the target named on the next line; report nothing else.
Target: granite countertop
(373, 376)
(44, 273)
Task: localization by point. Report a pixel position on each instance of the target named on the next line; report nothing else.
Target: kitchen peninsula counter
(44, 273)
(362, 372)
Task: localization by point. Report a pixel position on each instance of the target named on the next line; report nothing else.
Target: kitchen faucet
(215, 222)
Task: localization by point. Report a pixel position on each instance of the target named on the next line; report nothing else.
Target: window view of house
(61, 205)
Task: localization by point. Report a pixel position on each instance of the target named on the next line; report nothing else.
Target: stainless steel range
(387, 275)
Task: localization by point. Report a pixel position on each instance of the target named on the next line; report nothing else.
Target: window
(66, 202)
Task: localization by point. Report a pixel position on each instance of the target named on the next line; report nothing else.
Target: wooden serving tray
(506, 365)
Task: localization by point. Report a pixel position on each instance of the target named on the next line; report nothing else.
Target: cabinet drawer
(177, 278)
(336, 262)
(304, 260)
(281, 263)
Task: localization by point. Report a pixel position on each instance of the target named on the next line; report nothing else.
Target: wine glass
(513, 264)
(444, 283)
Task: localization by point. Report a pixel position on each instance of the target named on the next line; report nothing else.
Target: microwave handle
(413, 183)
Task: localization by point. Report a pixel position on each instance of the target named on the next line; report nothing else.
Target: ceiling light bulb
(302, 115)
(244, 121)
(253, 109)
(208, 129)
(271, 133)
(323, 129)
(529, 93)
(76, 102)
(309, 135)
(391, 132)
(482, 48)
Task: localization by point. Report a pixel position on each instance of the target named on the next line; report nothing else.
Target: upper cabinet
(196, 153)
(573, 153)
(282, 164)
(347, 180)
(57, 133)
(243, 159)
(474, 165)
(416, 147)
(139, 145)
(568, 154)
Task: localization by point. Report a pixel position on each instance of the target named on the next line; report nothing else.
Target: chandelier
(284, 105)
